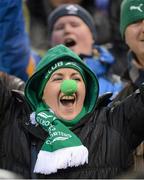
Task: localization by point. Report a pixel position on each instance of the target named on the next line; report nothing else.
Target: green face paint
(68, 87)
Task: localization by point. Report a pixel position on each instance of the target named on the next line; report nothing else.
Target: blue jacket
(16, 57)
(100, 64)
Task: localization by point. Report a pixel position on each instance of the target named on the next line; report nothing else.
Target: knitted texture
(131, 12)
(72, 10)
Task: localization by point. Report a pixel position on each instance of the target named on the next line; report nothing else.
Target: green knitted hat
(55, 56)
(131, 12)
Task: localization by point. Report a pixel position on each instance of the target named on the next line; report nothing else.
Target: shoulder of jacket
(104, 99)
(18, 95)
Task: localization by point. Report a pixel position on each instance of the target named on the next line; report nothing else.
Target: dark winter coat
(132, 77)
(14, 143)
(110, 134)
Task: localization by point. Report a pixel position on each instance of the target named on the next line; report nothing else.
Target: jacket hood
(55, 55)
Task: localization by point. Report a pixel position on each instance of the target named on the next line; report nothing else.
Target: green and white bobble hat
(131, 12)
(55, 55)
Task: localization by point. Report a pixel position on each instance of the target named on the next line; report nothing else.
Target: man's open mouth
(69, 42)
(67, 100)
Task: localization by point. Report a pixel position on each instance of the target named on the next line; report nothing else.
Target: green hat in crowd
(56, 58)
(131, 12)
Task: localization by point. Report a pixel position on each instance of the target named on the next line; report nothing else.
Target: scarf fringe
(50, 162)
(32, 118)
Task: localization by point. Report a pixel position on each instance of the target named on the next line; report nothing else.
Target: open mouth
(67, 100)
(69, 42)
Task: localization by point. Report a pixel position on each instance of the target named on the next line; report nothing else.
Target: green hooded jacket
(53, 56)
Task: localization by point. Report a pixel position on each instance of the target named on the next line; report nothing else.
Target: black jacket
(14, 142)
(132, 77)
(109, 133)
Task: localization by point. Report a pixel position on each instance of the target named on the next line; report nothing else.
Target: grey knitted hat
(72, 10)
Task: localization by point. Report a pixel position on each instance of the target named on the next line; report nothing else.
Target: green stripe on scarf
(62, 148)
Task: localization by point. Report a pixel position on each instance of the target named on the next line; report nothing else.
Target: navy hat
(72, 10)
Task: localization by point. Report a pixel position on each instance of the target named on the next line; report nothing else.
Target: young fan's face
(73, 33)
(65, 107)
(134, 37)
